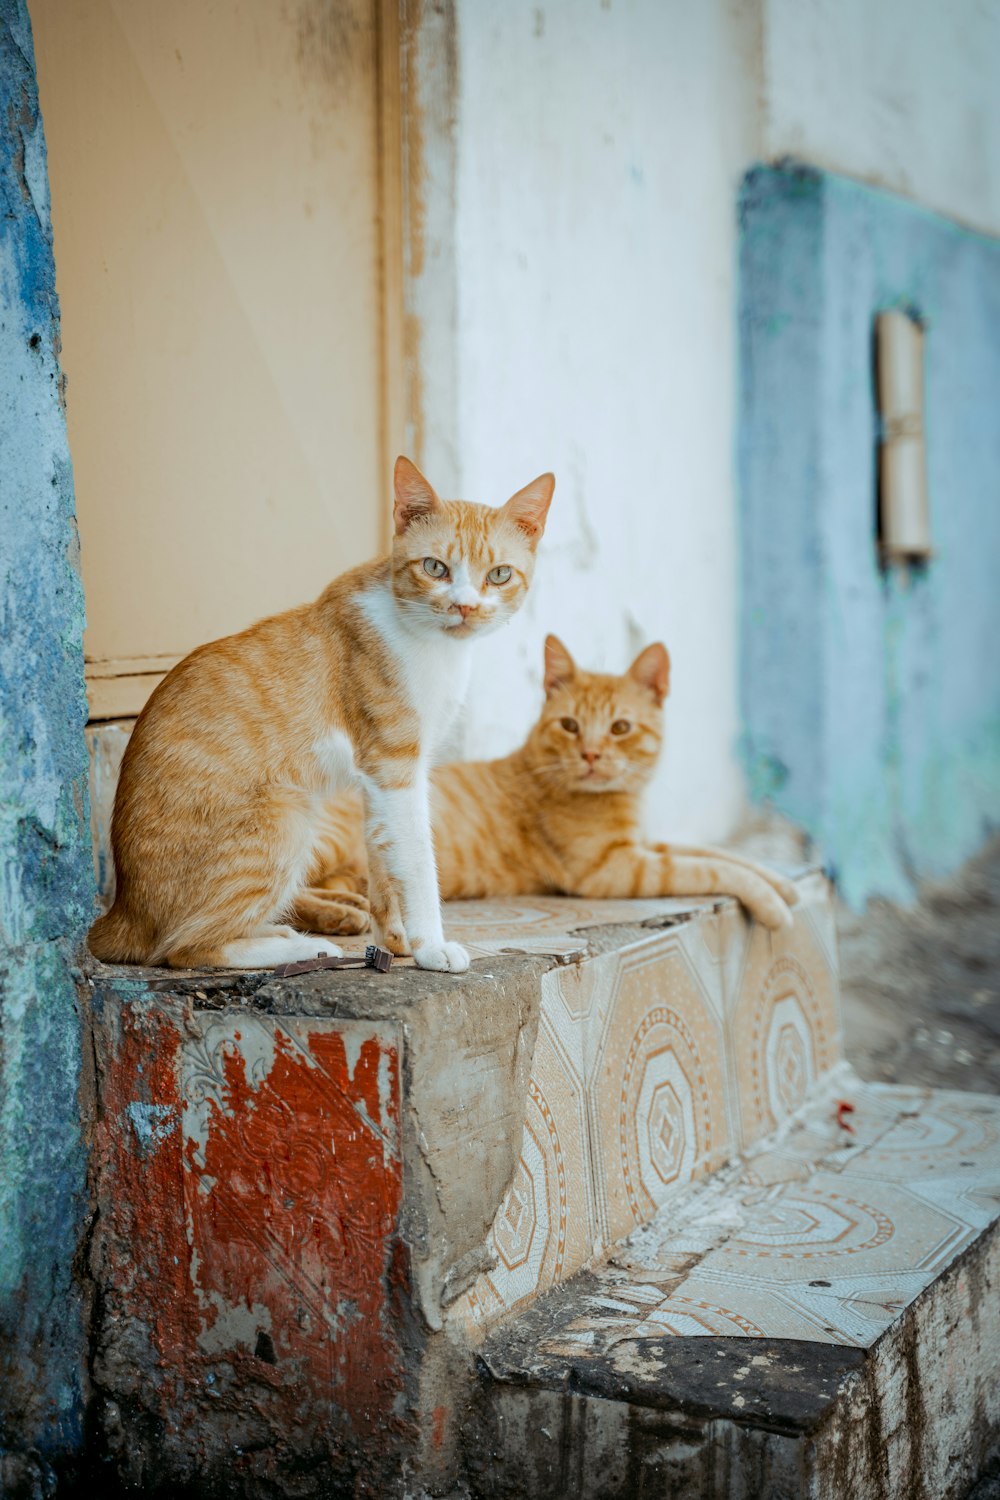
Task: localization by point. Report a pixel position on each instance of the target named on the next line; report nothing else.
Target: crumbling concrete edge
(916, 1414)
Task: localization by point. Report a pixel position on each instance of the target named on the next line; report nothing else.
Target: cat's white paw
(278, 945)
(311, 945)
(448, 958)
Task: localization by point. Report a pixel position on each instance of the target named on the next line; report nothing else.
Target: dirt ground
(921, 986)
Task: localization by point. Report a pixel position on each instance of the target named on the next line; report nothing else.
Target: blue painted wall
(46, 890)
(871, 705)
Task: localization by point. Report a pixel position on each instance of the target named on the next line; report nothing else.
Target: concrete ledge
(315, 1194)
(916, 1415)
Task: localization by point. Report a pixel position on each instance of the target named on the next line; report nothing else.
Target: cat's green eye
(500, 574)
(435, 567)
(621, 726)
(570, 726)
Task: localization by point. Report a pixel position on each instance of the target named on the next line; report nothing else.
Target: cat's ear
(651, 669)
(560, 667)
(530, 506)
(414, 496)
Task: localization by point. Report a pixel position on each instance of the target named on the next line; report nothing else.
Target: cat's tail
(115, 939)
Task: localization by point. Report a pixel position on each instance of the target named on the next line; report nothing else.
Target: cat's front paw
(773, 913)
(394, 938)
(447, 958)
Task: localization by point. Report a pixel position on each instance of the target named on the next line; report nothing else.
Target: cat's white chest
(335, 758)
(434, 672)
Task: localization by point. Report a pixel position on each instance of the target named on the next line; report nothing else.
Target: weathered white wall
(599, 151)
(903, 93)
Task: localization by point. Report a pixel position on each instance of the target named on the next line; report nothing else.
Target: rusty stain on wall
(249, 1181)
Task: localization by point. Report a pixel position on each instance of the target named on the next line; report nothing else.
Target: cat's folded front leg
(785, 888)
(635, 870)
(692, 875)
(401, 853)
(387, 918)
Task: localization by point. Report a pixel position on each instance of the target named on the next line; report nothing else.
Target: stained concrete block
(734, 1419)
(299, 1182)
(284, 1181)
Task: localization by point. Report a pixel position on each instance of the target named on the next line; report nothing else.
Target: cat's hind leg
(264, 949)
(235, 910)
(317, 909)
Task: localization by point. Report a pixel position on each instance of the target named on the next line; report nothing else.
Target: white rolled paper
(905, 518)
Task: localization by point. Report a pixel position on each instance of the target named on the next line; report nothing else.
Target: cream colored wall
(216, 216)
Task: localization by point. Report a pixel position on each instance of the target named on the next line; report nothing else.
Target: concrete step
(656, 1061)
(819, 1320)
(316, 1196)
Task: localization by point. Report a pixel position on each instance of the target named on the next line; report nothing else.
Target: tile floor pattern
(543, 924)
(826, 1236)
(654, 1065)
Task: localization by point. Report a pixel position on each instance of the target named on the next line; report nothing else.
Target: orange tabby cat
(562, 815)
(232, 759)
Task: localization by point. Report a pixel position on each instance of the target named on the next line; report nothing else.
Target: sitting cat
(238, 749)
(561, 815)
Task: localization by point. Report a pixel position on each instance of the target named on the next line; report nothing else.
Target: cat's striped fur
(232, 760)
(562, 814)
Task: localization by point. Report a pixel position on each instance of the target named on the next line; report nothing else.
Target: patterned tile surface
(546, 1227)
(825, 1236)
(540, 924)
(655, 1064)
(783, 1017)
(658, 1108)
(547, 924)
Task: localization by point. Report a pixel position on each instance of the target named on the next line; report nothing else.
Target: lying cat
(561, 815)
(233, 757)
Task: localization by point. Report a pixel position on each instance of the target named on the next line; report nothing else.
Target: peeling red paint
(250, 1184)
(142, 1244)
(291, 1206)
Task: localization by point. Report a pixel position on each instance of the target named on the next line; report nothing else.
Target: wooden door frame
(116, 686)
(390, 23)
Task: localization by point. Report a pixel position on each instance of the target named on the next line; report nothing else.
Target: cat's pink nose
(590, 756)
(465, 610)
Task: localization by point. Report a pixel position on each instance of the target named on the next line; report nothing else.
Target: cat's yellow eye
(499, 574)
(570, 726)
(435, 567)
(621, 726)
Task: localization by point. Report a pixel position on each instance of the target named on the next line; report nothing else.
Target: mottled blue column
(871, 703)
(46, 891)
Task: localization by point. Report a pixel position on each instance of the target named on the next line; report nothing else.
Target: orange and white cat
(563, 814)
(230, 763)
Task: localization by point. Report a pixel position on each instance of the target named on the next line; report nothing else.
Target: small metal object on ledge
(376, 958)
